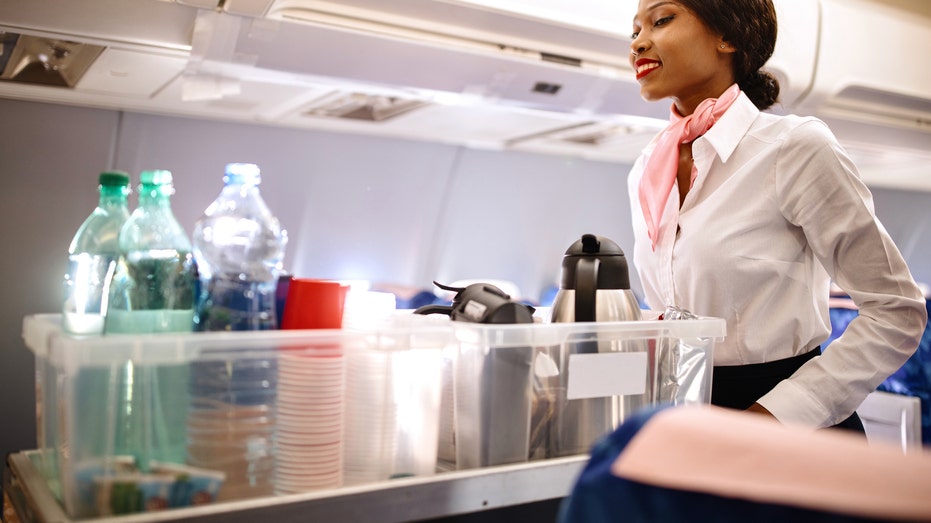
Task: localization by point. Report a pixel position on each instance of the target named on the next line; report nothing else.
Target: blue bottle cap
(242, 173)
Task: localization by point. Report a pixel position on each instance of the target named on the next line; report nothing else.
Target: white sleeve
(820, 191)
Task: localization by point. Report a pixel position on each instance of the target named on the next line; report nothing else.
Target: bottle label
(228, 305)
(149, 322)
(152, 292)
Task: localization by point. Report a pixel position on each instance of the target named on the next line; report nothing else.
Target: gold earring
(723, 46)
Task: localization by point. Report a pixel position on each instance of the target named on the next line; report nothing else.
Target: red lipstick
(645, 66)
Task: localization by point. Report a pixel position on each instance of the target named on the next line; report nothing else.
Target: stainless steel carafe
(493, 384)
(595, 287)
(595, 284)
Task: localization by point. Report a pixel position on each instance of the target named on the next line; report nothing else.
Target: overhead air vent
(363, 106)
(44, 61)
(619, 139)
(603, 132)
(597, 135)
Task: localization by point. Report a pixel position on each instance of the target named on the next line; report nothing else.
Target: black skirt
(740, 386)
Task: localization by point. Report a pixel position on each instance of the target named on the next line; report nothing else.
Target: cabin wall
(387, 210)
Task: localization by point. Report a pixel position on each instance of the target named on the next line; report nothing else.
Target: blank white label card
(606, 374)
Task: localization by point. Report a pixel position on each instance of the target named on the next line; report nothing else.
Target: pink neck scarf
(659, 175)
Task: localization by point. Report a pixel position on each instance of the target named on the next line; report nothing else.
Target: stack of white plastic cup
(392, 413)
(368, 309)
(310, 419)
(370, 417)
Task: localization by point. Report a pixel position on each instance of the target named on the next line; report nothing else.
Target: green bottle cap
(114, 178)
(155, 177)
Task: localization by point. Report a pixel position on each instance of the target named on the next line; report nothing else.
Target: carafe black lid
(612, 264)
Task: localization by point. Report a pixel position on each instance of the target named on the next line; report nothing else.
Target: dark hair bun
(762, 88)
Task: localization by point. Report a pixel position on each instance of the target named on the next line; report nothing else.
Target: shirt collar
(734, 124)
(727, 132)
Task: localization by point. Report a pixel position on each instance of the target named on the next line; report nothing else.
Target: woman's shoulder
(792, 128)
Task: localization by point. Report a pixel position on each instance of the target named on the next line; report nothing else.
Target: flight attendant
(749, 216)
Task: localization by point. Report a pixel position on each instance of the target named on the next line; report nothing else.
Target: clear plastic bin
(130, 423)
(524, 392)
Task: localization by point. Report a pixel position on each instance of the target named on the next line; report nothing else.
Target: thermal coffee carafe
(595, 283)
(595, 287)
(494, 385)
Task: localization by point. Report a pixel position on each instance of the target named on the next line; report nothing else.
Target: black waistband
(739, 386)
(781, 369)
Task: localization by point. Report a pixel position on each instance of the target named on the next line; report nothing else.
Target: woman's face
(675, 55)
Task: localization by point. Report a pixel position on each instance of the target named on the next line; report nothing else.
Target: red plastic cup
(314, 304)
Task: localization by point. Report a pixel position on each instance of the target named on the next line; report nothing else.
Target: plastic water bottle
(153, 288)
(152, 292)
(93, 255)
(238, 246)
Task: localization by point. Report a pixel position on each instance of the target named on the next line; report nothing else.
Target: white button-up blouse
(776, 213)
